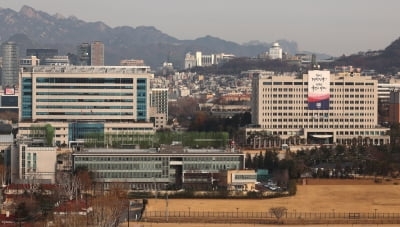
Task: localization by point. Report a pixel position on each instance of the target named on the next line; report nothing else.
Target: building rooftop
(89, 69)
(151, 151)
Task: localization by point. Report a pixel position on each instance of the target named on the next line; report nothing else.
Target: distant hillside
(384, 61)
(148, 43)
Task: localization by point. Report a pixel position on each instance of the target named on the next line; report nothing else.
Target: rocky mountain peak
(29, 12)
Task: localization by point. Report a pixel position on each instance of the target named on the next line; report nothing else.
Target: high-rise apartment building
(97, 53)
(77, 100)
(10, 66)
(84, 54)
(394, 107)
(159, 103)
(316, 108)
(91, 54)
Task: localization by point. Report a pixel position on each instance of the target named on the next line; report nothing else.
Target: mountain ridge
(121, 42)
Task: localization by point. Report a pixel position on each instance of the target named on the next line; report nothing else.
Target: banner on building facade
(318, 90)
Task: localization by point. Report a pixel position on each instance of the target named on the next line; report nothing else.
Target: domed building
(275, 52)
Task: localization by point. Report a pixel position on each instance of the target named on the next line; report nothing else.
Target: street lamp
(129, 207)
(189, 211)
(237, 211)
(166, 207)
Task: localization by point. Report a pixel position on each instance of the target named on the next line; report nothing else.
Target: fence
(268, 217)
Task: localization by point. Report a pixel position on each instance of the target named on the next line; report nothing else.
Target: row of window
(207, 159)
(154, 158)
(316, 116)
(291, 101)
(83, 107)
(334, 126)
(206, 166)
(85, 80)
(84, 100)
(359, 133)
(315, 119)
(330, 108)
(132, 129)
(83, 87)
(245, 176)
(306, 96)
(306, 90)
(87, 93)
(129, 159)
(123, 166)
(306, 83)
(86, 113)
(147, 175)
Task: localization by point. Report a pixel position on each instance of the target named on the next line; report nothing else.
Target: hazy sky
(334, 27)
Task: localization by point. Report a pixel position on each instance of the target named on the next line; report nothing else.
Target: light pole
(129, 207)
(166, 207)
(189, 211)
(237, 211)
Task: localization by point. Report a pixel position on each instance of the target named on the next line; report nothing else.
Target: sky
(333, 27)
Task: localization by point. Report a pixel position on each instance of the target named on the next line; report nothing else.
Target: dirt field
(309, 198)
(246, 225)
(359, 181)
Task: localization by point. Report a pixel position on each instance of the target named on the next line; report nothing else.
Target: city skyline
(333, 28)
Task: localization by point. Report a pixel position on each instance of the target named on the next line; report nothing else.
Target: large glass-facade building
(82, 99)
(150, 169)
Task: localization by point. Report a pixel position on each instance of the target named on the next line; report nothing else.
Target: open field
(248, 225)
(310, 198)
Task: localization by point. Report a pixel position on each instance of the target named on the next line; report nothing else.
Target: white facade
(184, 91)
(384, 89)
(280, 108)
(275, 52)
(34, 165)
(29, 61)
(190, 61)
(200, 59)
(56, 60)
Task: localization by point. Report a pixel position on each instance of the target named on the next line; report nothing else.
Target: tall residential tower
(97, 53)
(10, 66)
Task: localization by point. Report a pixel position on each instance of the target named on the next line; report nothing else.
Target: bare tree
(69, 185)
(108, 208)
(278, 212)
(3, 174)
(32, 183)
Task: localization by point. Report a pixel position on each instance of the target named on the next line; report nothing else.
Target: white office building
(315, 108)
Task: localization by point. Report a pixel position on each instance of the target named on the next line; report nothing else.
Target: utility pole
(166, 207)
(129, 207)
